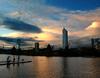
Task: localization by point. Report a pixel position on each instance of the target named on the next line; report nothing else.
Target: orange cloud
(92, 30)
(52, 29)
(94, 25)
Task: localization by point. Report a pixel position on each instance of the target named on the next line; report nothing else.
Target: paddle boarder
(8, 60)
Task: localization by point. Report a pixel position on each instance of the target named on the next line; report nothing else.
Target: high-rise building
(19, 43)
(37, 46)
(65, 38)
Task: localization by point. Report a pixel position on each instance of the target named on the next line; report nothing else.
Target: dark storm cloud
(14, 40)
(18, 25)
(6, 39)
(9, 39)
(23, 41)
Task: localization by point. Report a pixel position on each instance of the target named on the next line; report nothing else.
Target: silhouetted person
(14, 60)
(8, 60)
(22, 60)
(18, 59)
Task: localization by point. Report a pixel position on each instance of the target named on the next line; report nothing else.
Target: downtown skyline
(43, 21)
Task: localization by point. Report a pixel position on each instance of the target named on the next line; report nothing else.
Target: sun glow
(94, 25)
(45, 36)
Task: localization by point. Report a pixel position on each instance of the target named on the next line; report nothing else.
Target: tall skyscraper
(65, 38)
(37, 46)
(19, 43)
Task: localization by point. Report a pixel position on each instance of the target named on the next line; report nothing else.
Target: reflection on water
(52, 67)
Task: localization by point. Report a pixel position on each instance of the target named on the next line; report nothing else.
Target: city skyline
(42, 21)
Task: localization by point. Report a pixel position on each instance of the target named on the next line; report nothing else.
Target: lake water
(52, 67)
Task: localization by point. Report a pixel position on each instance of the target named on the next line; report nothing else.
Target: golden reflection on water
(41, 67)
(47, 68)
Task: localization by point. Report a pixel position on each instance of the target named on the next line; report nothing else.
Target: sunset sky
(43, 20)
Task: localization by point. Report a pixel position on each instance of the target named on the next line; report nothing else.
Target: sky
(43, 20)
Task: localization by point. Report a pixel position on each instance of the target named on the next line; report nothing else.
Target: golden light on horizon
(45, 36)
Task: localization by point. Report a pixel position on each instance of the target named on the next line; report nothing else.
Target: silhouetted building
(65, 38)
(95, 43)
(37, 46)
(18, 43)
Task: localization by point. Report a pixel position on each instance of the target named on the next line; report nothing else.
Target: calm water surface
(52, 67)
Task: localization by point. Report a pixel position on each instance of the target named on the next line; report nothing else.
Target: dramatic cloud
(83, 37)
(18, 25)
(8, 39)
(93, 30)
(23, 41)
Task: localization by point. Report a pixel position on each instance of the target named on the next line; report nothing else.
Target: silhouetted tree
(13, 50)
(49, 47)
